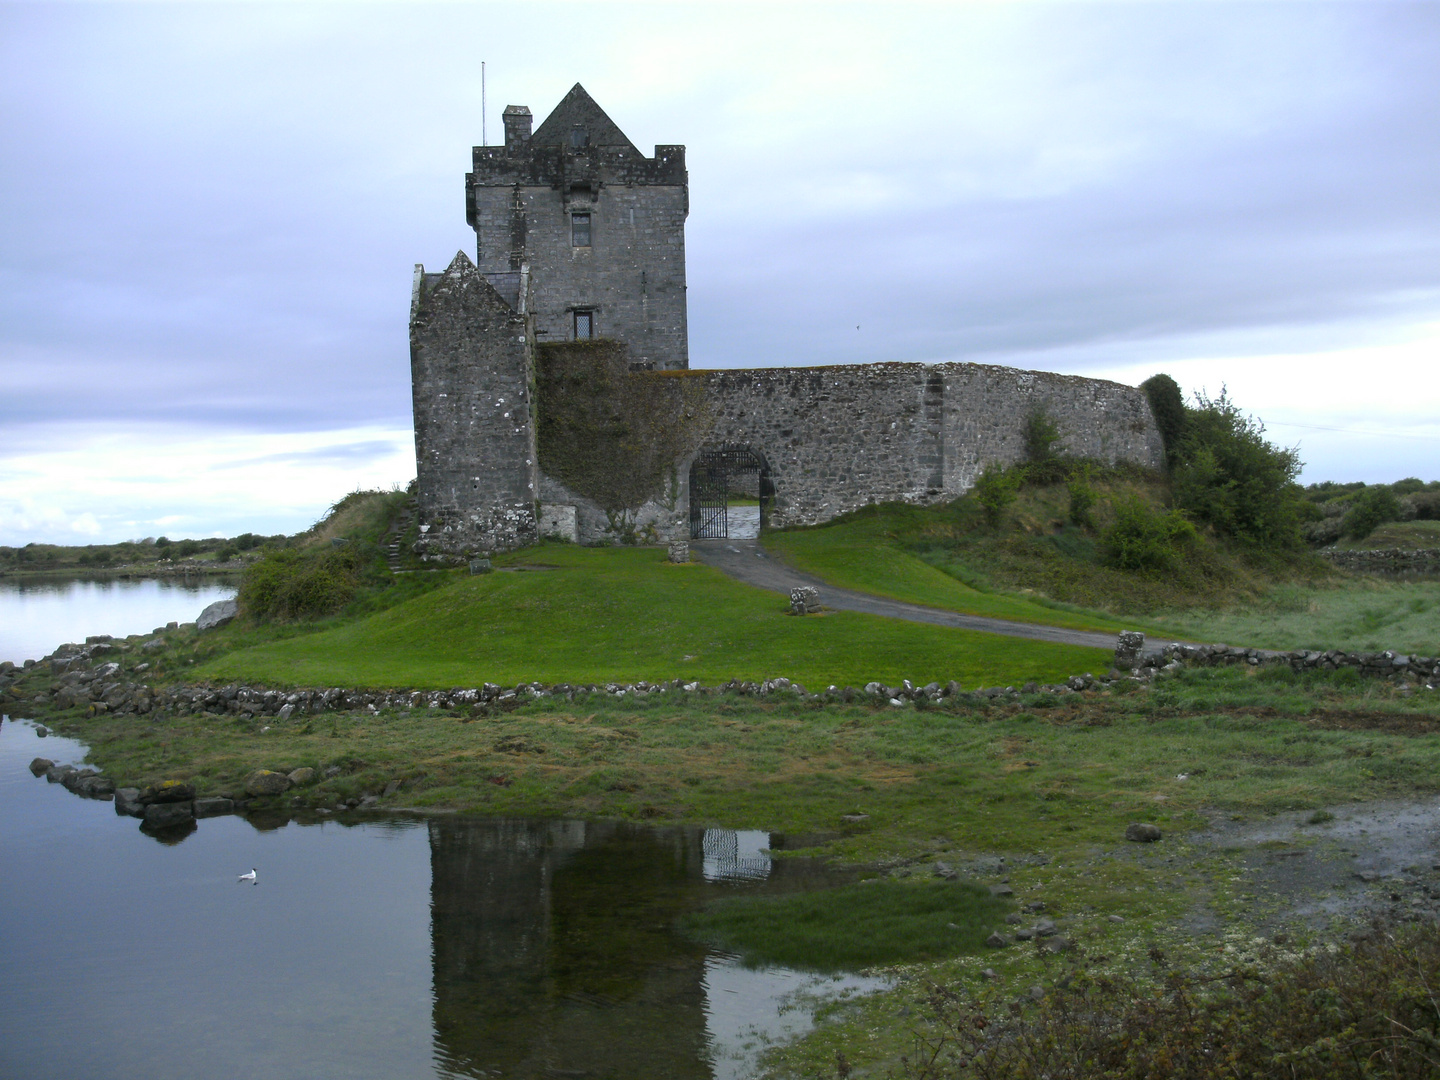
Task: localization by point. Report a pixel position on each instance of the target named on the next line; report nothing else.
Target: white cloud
(112, 484)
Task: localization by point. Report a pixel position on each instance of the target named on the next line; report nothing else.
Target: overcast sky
(211, 214)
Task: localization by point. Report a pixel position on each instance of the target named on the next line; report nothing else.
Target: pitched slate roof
(578, 109)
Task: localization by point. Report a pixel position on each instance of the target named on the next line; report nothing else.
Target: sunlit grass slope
(598, 615)
(858, 554)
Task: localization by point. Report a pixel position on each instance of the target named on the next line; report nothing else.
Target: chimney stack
(517, 127)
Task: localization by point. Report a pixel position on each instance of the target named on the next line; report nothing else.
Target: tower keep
(600, 226)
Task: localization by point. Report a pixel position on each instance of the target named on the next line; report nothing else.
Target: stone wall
(839, 437)
(1387, 560)
(520, 198)
(471, 377)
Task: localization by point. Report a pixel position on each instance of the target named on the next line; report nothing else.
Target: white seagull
(246, 877)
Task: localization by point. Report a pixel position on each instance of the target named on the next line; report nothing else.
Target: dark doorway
(730, 493)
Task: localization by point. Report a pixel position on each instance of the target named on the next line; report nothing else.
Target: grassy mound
(1037, 564)
(557, 613)
(852, 927)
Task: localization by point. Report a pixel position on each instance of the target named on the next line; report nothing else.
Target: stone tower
(600, 226)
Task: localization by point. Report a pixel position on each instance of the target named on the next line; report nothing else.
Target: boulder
(1141, 833)
(40, 766)
(1001, 890)
(57, 774)
(804, 600)
(265, 782)
(996, 941)
(217, 614)
(213, 807)
(167, 791)
(301, 776)
(168, 815)
(96, 787)
(127, 802)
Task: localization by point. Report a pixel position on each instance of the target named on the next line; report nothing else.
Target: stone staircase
(393, 536)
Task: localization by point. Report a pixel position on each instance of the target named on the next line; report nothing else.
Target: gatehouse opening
(731, 493)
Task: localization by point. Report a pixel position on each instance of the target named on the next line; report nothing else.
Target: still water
(38, 614)
(374, 947)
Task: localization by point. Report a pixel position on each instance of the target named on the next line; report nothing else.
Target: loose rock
(265, 782)
(217, 614)
(213, 807)
(1142, 833)
(996, 941)
(40, 766)
(302, 776)
(168, 791)
(127, 802)
(167, 815)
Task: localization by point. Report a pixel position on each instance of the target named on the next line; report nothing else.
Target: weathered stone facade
(839, 437)
(472, 376)
(605, 222)
(833, 438)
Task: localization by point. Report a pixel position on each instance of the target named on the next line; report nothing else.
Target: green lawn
(615, 614)
(858, 555)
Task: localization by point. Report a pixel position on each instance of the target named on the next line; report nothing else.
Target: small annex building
(553, 393)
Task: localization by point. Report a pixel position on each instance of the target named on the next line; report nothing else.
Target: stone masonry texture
(471, 378)
(629, 277)
(833, 438)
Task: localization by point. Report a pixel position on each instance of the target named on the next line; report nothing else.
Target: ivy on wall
(612, 434)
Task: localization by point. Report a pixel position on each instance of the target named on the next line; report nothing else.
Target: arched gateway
(730, 493)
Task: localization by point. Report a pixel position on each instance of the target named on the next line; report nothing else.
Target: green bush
(1082, 499)
(1230, 478)
(1369, 510)
(1142, 538)
(995, 489)
(1167, 405)
(289, 585)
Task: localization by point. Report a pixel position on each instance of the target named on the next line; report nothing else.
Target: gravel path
(745, 560)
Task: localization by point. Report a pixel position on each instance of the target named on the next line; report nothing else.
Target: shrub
(1142, 538)
(1427, 505)
(185, 549)
(1082, 499)
(995, 489)
(1230, 478)
(287, 585)
(1167, 405)
(1369, 510)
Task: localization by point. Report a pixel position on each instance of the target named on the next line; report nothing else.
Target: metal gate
(710, 477)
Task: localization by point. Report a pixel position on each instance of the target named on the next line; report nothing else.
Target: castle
(578, 288)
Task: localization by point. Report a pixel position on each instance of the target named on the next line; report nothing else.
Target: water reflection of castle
(553, 948)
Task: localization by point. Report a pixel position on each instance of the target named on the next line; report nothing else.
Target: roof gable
(578, 109)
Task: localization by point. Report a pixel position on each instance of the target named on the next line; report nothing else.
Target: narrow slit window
(580, 230)
(584, 325)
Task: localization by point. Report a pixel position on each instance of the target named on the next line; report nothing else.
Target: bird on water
(246, 877)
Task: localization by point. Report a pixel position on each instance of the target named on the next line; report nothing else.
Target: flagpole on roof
(483, 142)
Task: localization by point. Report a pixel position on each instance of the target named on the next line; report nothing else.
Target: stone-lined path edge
(746, 561)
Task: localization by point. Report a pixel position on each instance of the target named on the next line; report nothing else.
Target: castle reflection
(554, 951)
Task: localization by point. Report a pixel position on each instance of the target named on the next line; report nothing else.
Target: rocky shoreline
(106, 686)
